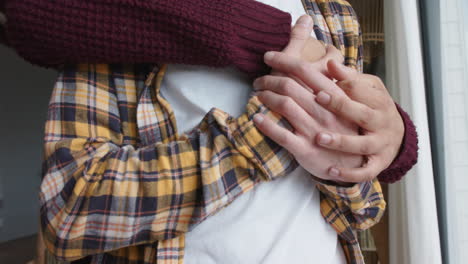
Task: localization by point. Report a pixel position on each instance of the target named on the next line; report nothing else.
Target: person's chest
(293, 7)
(193, 90)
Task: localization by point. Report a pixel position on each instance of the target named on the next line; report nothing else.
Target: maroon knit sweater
(202, 32)
(214, 33)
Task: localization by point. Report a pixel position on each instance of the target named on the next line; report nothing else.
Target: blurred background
(419, 48)
(23, 108)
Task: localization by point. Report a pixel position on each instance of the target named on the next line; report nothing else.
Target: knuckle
(340, 143)
(349, 86)
(374, 82)
(286, 105)
(378, 83)
(339, 104)
(367, 117)
(283, 140)
(366, 176)
(364, 149)
(285, 86)
(263, 82)
(328, 121)
(332, 50)
(350, 177)
(371, 83)
(303, 68)
(336, 54)
(346, 85)
(277, 59)
(369, 176)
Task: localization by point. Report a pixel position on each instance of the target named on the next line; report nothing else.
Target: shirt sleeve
(213, 33)
(361, 205)
(99, 193)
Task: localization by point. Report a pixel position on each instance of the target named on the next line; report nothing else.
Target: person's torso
(276, 222)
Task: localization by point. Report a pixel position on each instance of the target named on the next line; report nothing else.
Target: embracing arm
(103, 191)
(393, 147)
(97, 186)
(213, 33)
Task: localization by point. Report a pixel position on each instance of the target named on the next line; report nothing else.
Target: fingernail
(323, 98)
(333, 172)
(269, 56)
(325, 139)
(304, 21)
(258, 118)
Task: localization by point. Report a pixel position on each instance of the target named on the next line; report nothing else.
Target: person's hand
(301, 45)
(356, 97)
(368, 104)
(297, 104)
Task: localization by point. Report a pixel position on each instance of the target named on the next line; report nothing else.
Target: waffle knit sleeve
(213, 33)
(408, 155)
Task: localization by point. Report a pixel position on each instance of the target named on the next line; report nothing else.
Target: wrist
(408, 153)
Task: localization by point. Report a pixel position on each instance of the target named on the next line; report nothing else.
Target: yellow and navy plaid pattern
(122, 186)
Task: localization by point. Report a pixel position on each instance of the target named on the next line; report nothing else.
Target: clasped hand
(345, 125)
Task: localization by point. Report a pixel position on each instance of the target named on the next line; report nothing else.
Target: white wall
(454, 30)
(25, 92)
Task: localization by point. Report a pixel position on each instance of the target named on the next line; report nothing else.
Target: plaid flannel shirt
(122, 186)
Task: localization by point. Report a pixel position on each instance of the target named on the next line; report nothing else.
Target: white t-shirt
(278, 221)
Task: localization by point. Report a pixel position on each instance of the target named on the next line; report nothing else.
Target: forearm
(143, 195)
(214, 33)
(96, 178)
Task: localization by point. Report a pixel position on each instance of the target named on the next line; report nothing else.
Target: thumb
(300, 33)
(339, 71)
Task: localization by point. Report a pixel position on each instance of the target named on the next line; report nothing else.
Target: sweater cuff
(258, 28)
(408, 155)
